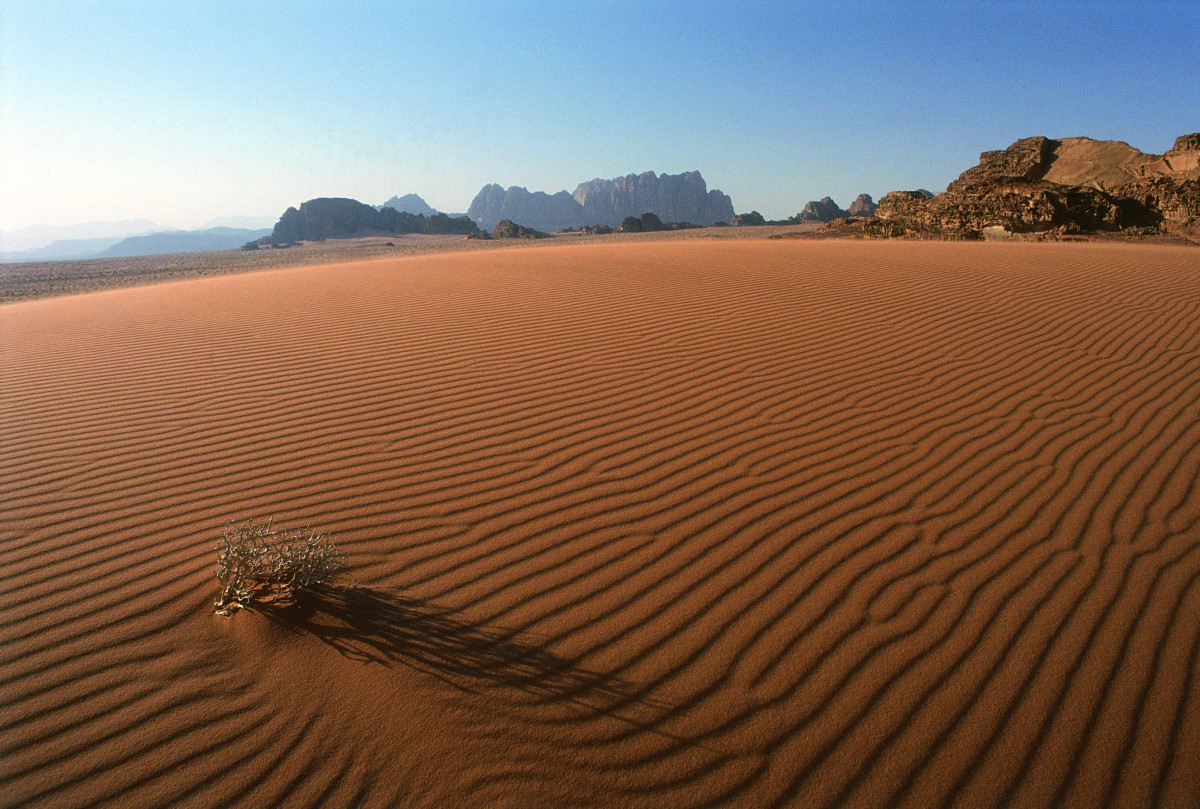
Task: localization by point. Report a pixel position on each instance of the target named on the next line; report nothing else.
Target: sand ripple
(669, 524)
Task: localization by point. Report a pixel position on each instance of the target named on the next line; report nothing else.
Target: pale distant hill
(183, 241)
(35, 236)
(410, 203)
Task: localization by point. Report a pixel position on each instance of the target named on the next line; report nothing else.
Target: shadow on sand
(379, 626)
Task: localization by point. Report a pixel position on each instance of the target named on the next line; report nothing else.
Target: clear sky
(185, 111)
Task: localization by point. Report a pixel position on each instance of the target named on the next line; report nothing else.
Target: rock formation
(1041, 185)
(410, 203)
(748, 219)
(863, 205)
(673, 197)
(340, 218)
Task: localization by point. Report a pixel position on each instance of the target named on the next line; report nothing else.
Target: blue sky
(183, 112)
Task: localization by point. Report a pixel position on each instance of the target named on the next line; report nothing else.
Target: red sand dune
(637, 525)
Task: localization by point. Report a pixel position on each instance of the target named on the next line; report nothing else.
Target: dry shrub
(253, 559)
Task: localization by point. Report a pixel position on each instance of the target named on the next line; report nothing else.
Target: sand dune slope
(677, 524)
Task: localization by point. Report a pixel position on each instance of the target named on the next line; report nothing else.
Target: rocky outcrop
(863, 205)
(507, 229)
(826, 210)
(673, 197)
(1016, 205)
(340, 218)
(1040, 185)
(410, 203)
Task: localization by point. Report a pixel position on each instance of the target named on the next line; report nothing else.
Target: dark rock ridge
(672, 197)
(410, 203)
(863, 205)
(1041, 185)
(341, 218)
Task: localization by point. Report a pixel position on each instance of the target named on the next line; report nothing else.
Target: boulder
(651, 222)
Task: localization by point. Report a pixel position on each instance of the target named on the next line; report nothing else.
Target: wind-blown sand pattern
(633, 525)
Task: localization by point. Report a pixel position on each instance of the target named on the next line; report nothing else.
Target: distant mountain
(409, 203)
(673, 197)
(342, 218)
(62, 250)
(36, 236)
(183, 241)
(537, 209)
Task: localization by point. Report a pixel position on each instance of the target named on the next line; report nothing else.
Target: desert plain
(650, 523)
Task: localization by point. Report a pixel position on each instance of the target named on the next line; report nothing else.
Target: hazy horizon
(187, 115)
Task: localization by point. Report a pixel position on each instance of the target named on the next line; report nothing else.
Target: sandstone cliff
(672, 197)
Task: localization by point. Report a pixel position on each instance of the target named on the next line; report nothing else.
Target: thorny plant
(253, 557)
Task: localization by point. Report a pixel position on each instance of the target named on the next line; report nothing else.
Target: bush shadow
(379, 626)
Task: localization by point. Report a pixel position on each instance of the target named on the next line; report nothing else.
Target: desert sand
(665, 524)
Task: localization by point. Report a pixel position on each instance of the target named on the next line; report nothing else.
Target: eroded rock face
(1024, 160)
(672, 197)
(1039, 185)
